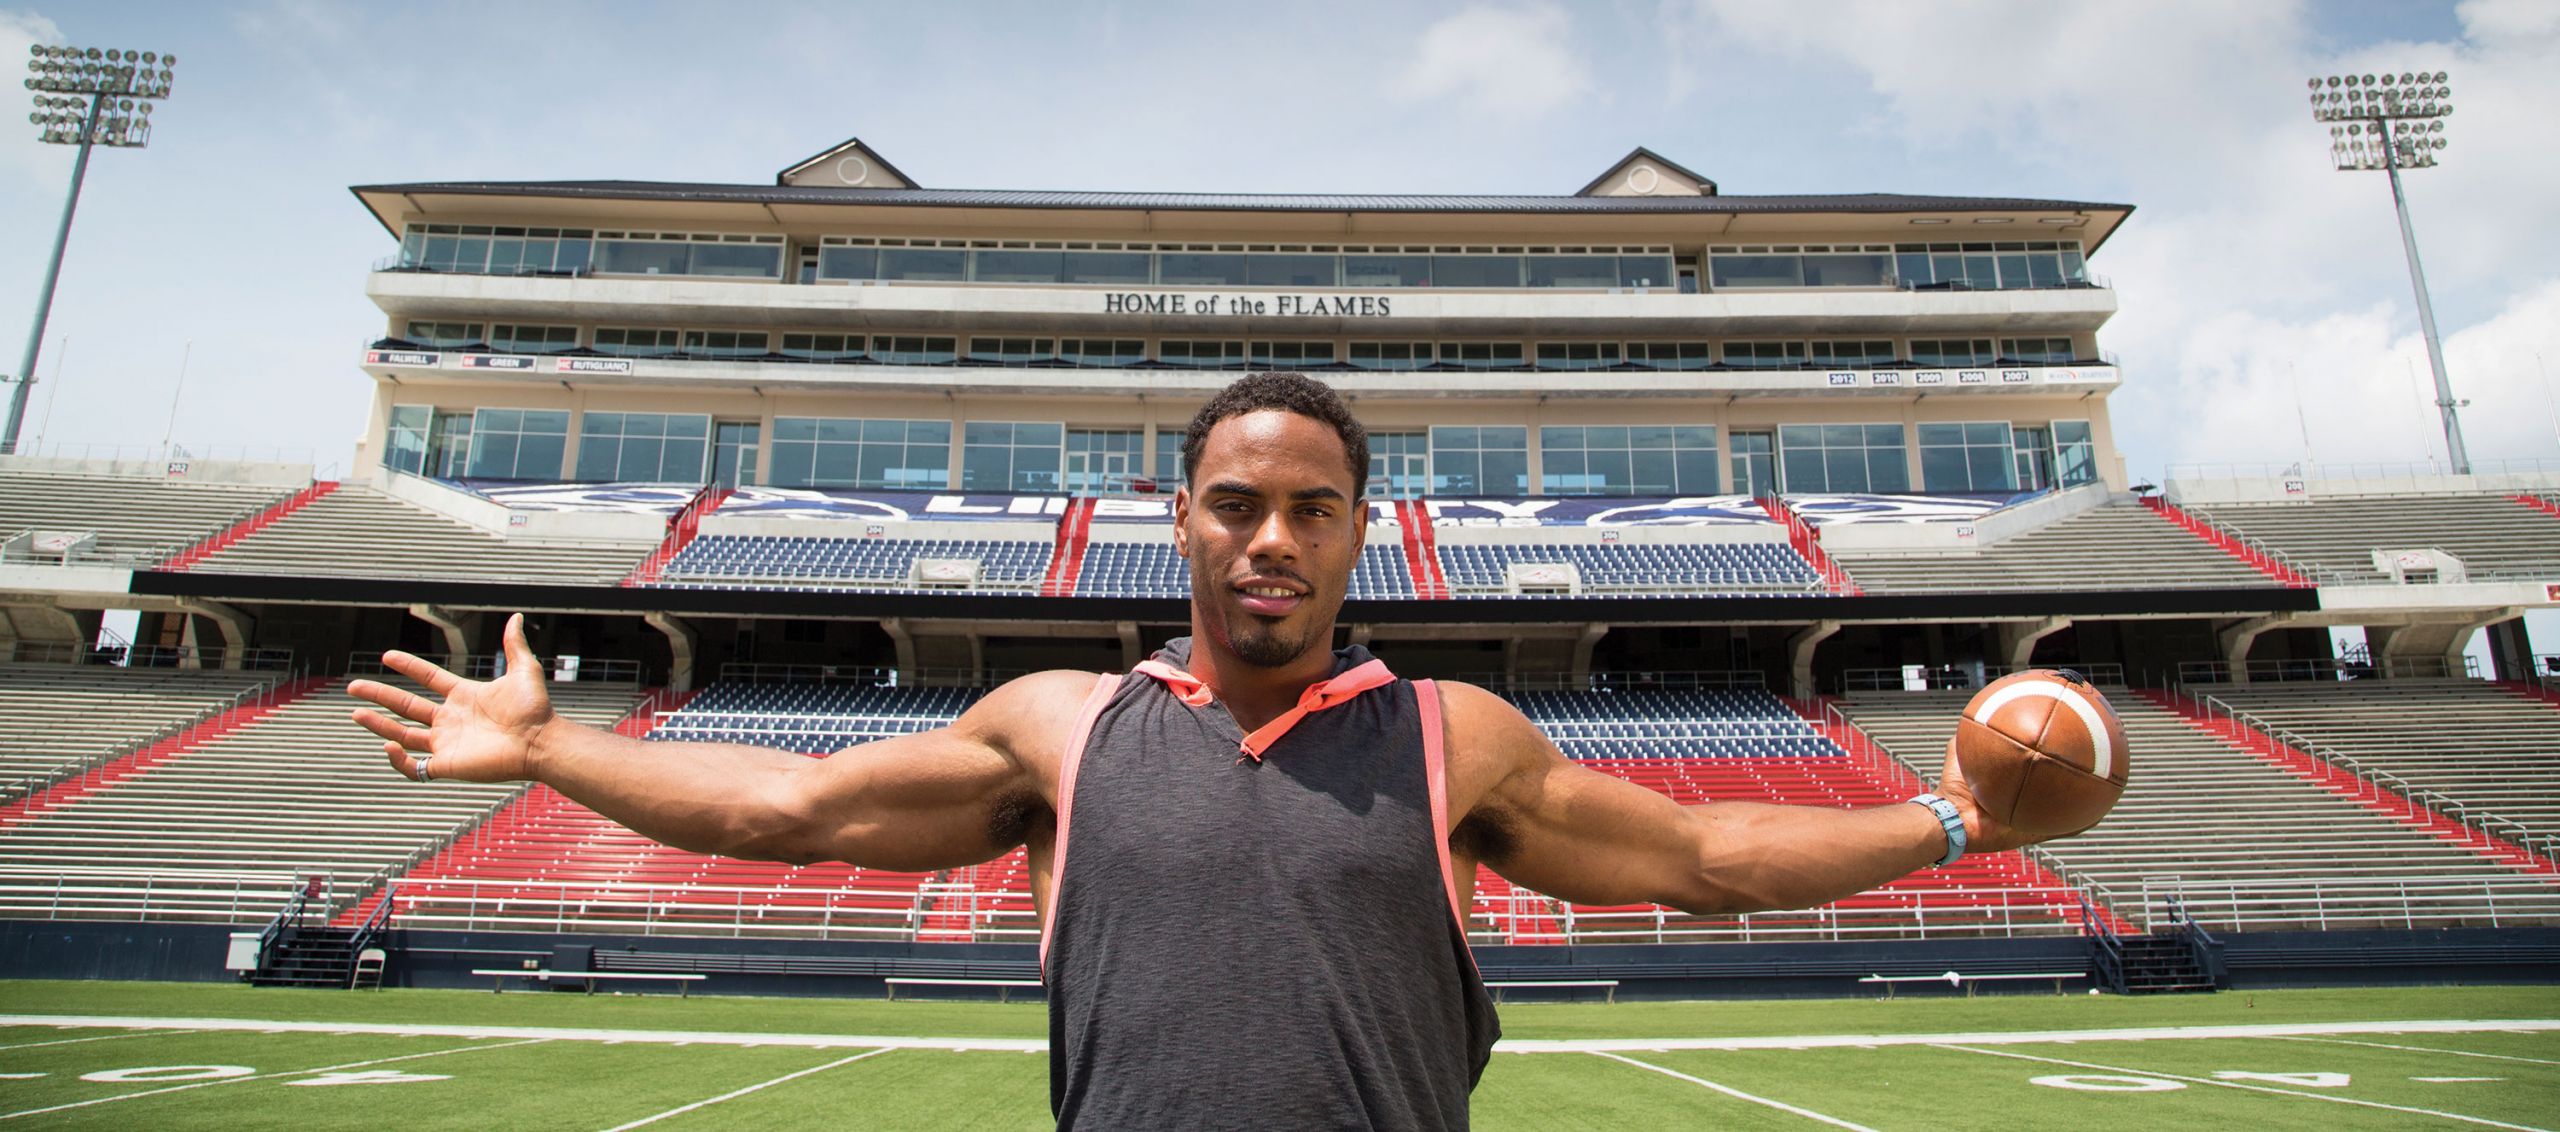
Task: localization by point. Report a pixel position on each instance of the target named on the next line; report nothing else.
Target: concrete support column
(1800, 657)
(2017, 639)
(1129, 655)
(905, 643)
(1582, 647)
(457, 638)
(231, 623)
(2239, 637)
(2511, 650)
(680, 646)
(2460, 642)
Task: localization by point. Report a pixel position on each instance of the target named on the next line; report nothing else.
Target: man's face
(1271, 524)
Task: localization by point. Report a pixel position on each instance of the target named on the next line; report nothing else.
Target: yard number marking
(2480, 1120)
(2305, 1080)
(2103, 1083)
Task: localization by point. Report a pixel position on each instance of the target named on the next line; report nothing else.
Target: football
(2043, 752)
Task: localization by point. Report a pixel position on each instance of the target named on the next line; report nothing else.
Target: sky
(2266, 308)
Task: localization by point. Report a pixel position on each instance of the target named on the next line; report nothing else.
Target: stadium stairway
(1066, 561)
(2466, 759)
(1421, 550)
(2247, 843)
(2231, 542)
(137, 520)
(265, 518)
(292, 790)
(2335, 537)
(149, 702)
(1807, 542)
(681, 529)
(357, 531)
(2114, 547)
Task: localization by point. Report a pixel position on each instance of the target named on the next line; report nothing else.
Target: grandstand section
(2114, 547)
(2338, 537)
(293, 792)
(913, 565)
(2492, 754)
(58, 719)
(360, 532)
(137, 521)
(2241, 842)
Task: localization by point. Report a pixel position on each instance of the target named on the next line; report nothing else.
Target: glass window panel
(1725, 271)
(1592, 271)
(1944, 469)
(1845, 469)
(1200, 269)
(1886, 471)
(1645, 271)
(1804, 469)
(1506, 472)
(635, 257)
(924, 265)
(1860, 269)
(1008, 265)
(1475, 271)
(928, 432)
(1938, 434)
(848, 263)
(1386, 271)
(2013, 269)
(1269, 270)
(1106, 267)
(1651, 473)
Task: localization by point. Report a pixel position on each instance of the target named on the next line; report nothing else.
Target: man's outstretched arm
(939, 799)
(1585, 837)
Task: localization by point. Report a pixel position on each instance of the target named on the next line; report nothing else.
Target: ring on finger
(419, 768)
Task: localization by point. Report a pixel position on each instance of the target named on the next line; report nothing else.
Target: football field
(128, 1055)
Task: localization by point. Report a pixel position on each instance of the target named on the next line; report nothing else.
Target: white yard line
(263, 1077)
(1516, 1045)
(69, 1041)
(1735, 1093)
(656, 1037)
(730, 1096)
(2018, 1037)
(2481, 1120)
(2427, 1049)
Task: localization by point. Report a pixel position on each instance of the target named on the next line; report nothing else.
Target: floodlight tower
(2391, 123)
(120, 87)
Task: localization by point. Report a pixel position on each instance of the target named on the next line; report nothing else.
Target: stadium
(1736, 496)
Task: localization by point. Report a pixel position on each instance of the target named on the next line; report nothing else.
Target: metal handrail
(2107, 673)
(2377, 780)
(80, 767)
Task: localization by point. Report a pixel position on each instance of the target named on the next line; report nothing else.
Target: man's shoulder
(1044, 691)
(1474, 715)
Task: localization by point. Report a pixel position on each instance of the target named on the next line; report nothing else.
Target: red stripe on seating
(2538, 503)
(1066, 559)
(2223, 540)
(681, 529)
(2372, 796)
(1807, 542)
(107, 775)
(249, 526)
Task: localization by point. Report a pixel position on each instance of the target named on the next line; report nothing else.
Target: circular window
(1644, 179)
(852, 171)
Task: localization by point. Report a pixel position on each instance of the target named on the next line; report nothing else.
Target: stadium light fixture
(2395, 122)
(87, 97)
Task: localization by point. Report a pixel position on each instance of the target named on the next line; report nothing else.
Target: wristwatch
(1949, 818)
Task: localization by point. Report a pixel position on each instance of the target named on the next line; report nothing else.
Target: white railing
(2324, 904)
(80, 769)
(1949, 677)
(1951, 913)
(2374, 784)
(2368, 470)
(171, 453)
(930, 913)
(73, 892)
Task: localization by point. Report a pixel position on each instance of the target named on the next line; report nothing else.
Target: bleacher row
(219, 831)
(360, 531)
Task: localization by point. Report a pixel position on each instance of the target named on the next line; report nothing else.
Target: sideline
(1737, 1094)
(1508, 1045)
(2430, 1049)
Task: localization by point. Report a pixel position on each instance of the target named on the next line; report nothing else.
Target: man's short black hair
(1288, 393)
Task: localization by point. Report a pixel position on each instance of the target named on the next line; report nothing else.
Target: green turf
(591, 1084)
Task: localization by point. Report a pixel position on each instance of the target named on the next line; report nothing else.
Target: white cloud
(2250, 265)
(1517, 61)
(28, 160)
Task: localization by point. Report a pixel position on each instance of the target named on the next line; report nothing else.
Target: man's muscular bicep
(959, 795)
(1550, 825)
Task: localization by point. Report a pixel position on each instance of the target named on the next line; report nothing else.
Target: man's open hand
(484, 731)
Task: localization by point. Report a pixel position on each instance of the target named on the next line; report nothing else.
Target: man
(1252, 855)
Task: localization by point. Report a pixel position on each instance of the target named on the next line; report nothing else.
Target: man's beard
(1265, 646)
